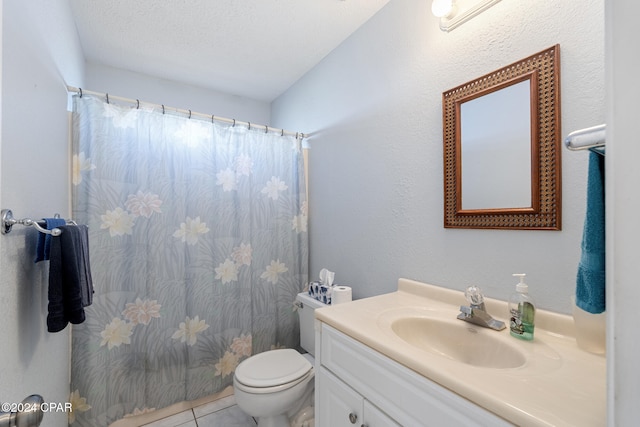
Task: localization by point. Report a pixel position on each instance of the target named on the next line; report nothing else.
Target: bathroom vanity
(404, 359)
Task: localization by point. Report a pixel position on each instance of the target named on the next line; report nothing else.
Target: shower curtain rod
(137, 102)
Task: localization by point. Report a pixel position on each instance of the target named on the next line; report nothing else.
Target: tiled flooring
(221, 413)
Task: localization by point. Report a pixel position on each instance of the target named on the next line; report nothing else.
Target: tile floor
(221, 413)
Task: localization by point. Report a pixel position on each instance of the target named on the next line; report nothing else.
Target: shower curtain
(198, 239)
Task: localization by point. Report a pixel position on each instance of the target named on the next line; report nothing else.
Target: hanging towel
(44, 240)
(590, 284)
(86, 283)
(70, 284)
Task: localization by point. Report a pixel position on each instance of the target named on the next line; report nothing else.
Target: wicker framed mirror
(502, 152)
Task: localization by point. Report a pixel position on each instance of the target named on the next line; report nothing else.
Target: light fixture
(453, 13)
(443, 8)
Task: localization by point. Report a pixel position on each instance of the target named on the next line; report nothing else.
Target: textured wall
(373, 107)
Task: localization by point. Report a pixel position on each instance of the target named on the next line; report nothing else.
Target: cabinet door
(374, 417)
(341, 405)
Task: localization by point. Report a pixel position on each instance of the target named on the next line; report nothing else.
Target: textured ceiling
(252, 48)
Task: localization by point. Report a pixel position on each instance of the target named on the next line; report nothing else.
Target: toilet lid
(272, 368)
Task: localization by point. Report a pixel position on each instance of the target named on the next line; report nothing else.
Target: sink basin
(459, 341)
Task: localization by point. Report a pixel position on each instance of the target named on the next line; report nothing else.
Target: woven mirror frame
(543, 70)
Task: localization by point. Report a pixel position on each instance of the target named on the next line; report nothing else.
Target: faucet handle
(473, 294)
(466, 310)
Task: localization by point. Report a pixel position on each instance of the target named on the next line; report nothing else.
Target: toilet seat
(272, 371)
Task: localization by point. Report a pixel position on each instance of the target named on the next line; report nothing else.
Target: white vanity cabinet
(358, 386)
(344, 407)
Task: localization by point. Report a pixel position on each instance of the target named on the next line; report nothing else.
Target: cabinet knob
(353, 418)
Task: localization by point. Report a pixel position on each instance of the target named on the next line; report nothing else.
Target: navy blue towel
(86, 282)
(590, 283)
(44, 240)
(70, 284)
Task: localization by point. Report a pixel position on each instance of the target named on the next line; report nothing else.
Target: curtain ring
(281, 132)
(234, 122)
(162, 108)
(80, 92)
(266, 129)
(212, 118)
(296, 135)
(107, 97)
(138, 104)
(189, 113)
(249, 125)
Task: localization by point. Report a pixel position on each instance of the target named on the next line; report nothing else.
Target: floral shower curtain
(198, 249)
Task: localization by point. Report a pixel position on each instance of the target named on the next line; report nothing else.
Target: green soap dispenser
(522, 311)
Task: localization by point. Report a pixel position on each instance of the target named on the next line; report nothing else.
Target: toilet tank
(307, 306)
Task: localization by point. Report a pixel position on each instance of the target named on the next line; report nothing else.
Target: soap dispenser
(521, 311)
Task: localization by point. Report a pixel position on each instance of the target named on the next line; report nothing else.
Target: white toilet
(276, 385)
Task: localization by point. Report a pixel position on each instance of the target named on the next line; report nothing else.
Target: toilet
(277, 386)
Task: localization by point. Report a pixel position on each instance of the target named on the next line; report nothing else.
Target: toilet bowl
(271, 386)
(277, 386)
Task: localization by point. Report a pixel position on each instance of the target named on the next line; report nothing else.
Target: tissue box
(320, 292)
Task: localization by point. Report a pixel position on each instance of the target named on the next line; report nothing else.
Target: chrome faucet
(476, 313)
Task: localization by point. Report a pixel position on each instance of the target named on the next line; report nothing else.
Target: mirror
(502, 147)
(495, 135)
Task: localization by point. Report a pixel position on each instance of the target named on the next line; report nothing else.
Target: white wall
(100, 78)
(39, 53)
(623, 204)
(373, 108)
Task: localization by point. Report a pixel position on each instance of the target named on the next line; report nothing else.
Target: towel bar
(28, 414)
(587, 139)
(8, 221)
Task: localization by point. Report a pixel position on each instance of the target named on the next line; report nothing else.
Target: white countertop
(559, 384)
